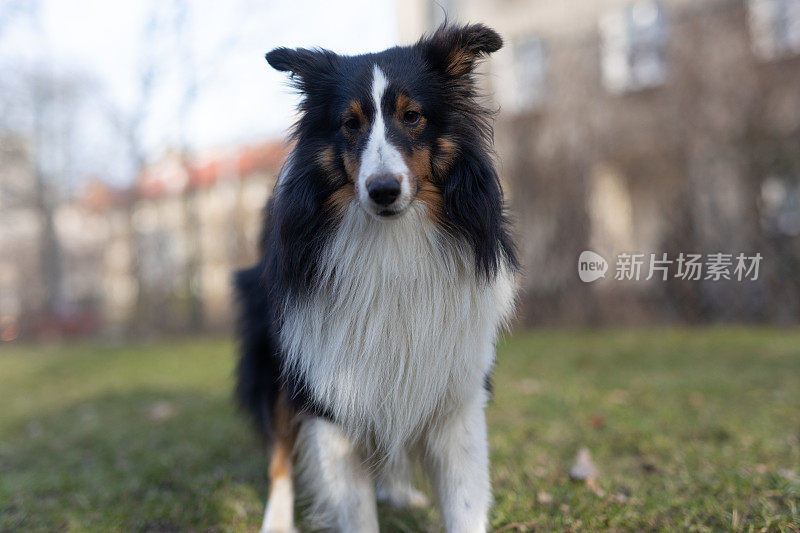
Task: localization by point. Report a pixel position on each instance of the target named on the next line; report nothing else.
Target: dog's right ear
(301, 62)
(454, 50)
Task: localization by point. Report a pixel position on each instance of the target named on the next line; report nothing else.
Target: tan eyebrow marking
(354, 109)
(403, 104)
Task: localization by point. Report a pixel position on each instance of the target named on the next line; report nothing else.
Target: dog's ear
(473, 205)
(454, 50)
(302, 63)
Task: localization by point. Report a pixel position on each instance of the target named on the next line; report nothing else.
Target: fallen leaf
(619, 497)
(594, 487)
(597, 421)
(517, 526)
(160, 411)
(583, 468)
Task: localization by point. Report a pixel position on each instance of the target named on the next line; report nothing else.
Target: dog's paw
(265, 529)
(402, 497)
(275, 522)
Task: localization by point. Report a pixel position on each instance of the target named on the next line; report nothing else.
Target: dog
(387, 270)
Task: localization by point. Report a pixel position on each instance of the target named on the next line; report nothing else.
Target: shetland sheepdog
(387, 269)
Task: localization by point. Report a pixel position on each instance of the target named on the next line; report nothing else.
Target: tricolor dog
(387, 269)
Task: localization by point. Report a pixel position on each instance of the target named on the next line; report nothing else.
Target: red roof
(161, 178)
(168, 175)
(268, 157)
(98, 196)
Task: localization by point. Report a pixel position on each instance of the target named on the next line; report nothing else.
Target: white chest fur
(401, 330)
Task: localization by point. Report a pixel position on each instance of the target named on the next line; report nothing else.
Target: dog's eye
(352, 124)
(411, 117)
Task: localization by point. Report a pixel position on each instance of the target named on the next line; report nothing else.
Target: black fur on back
(259, 370)
(260, 375)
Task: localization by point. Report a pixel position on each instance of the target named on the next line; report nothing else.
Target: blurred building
(19, 230)
(155, 258)
(625, 126)
(645, 126)
(194, 226)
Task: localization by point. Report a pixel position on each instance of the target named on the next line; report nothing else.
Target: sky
(241, 98)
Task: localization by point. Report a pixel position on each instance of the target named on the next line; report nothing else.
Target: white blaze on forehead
(380, 156)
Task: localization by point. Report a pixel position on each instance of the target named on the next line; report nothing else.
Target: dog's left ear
(454, 50)
(305, 66)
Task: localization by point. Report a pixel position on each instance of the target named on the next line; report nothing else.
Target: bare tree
(129, 125)
(47, 106)
(167, 56)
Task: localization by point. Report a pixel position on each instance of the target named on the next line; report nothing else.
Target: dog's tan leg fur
(279, 514)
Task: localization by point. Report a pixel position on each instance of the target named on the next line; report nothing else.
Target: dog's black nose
(384, 190)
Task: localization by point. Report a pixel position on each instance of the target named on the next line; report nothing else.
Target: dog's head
(385, 128)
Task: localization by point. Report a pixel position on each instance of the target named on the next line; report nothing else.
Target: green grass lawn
(695, 429)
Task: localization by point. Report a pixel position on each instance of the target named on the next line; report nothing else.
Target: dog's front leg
(335, 476)
(458, 458)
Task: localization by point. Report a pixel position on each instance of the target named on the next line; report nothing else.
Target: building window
(775, 27)
(634, 42)
(521, 75)
(780, 201)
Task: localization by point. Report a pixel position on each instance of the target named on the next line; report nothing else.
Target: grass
(695, 429)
